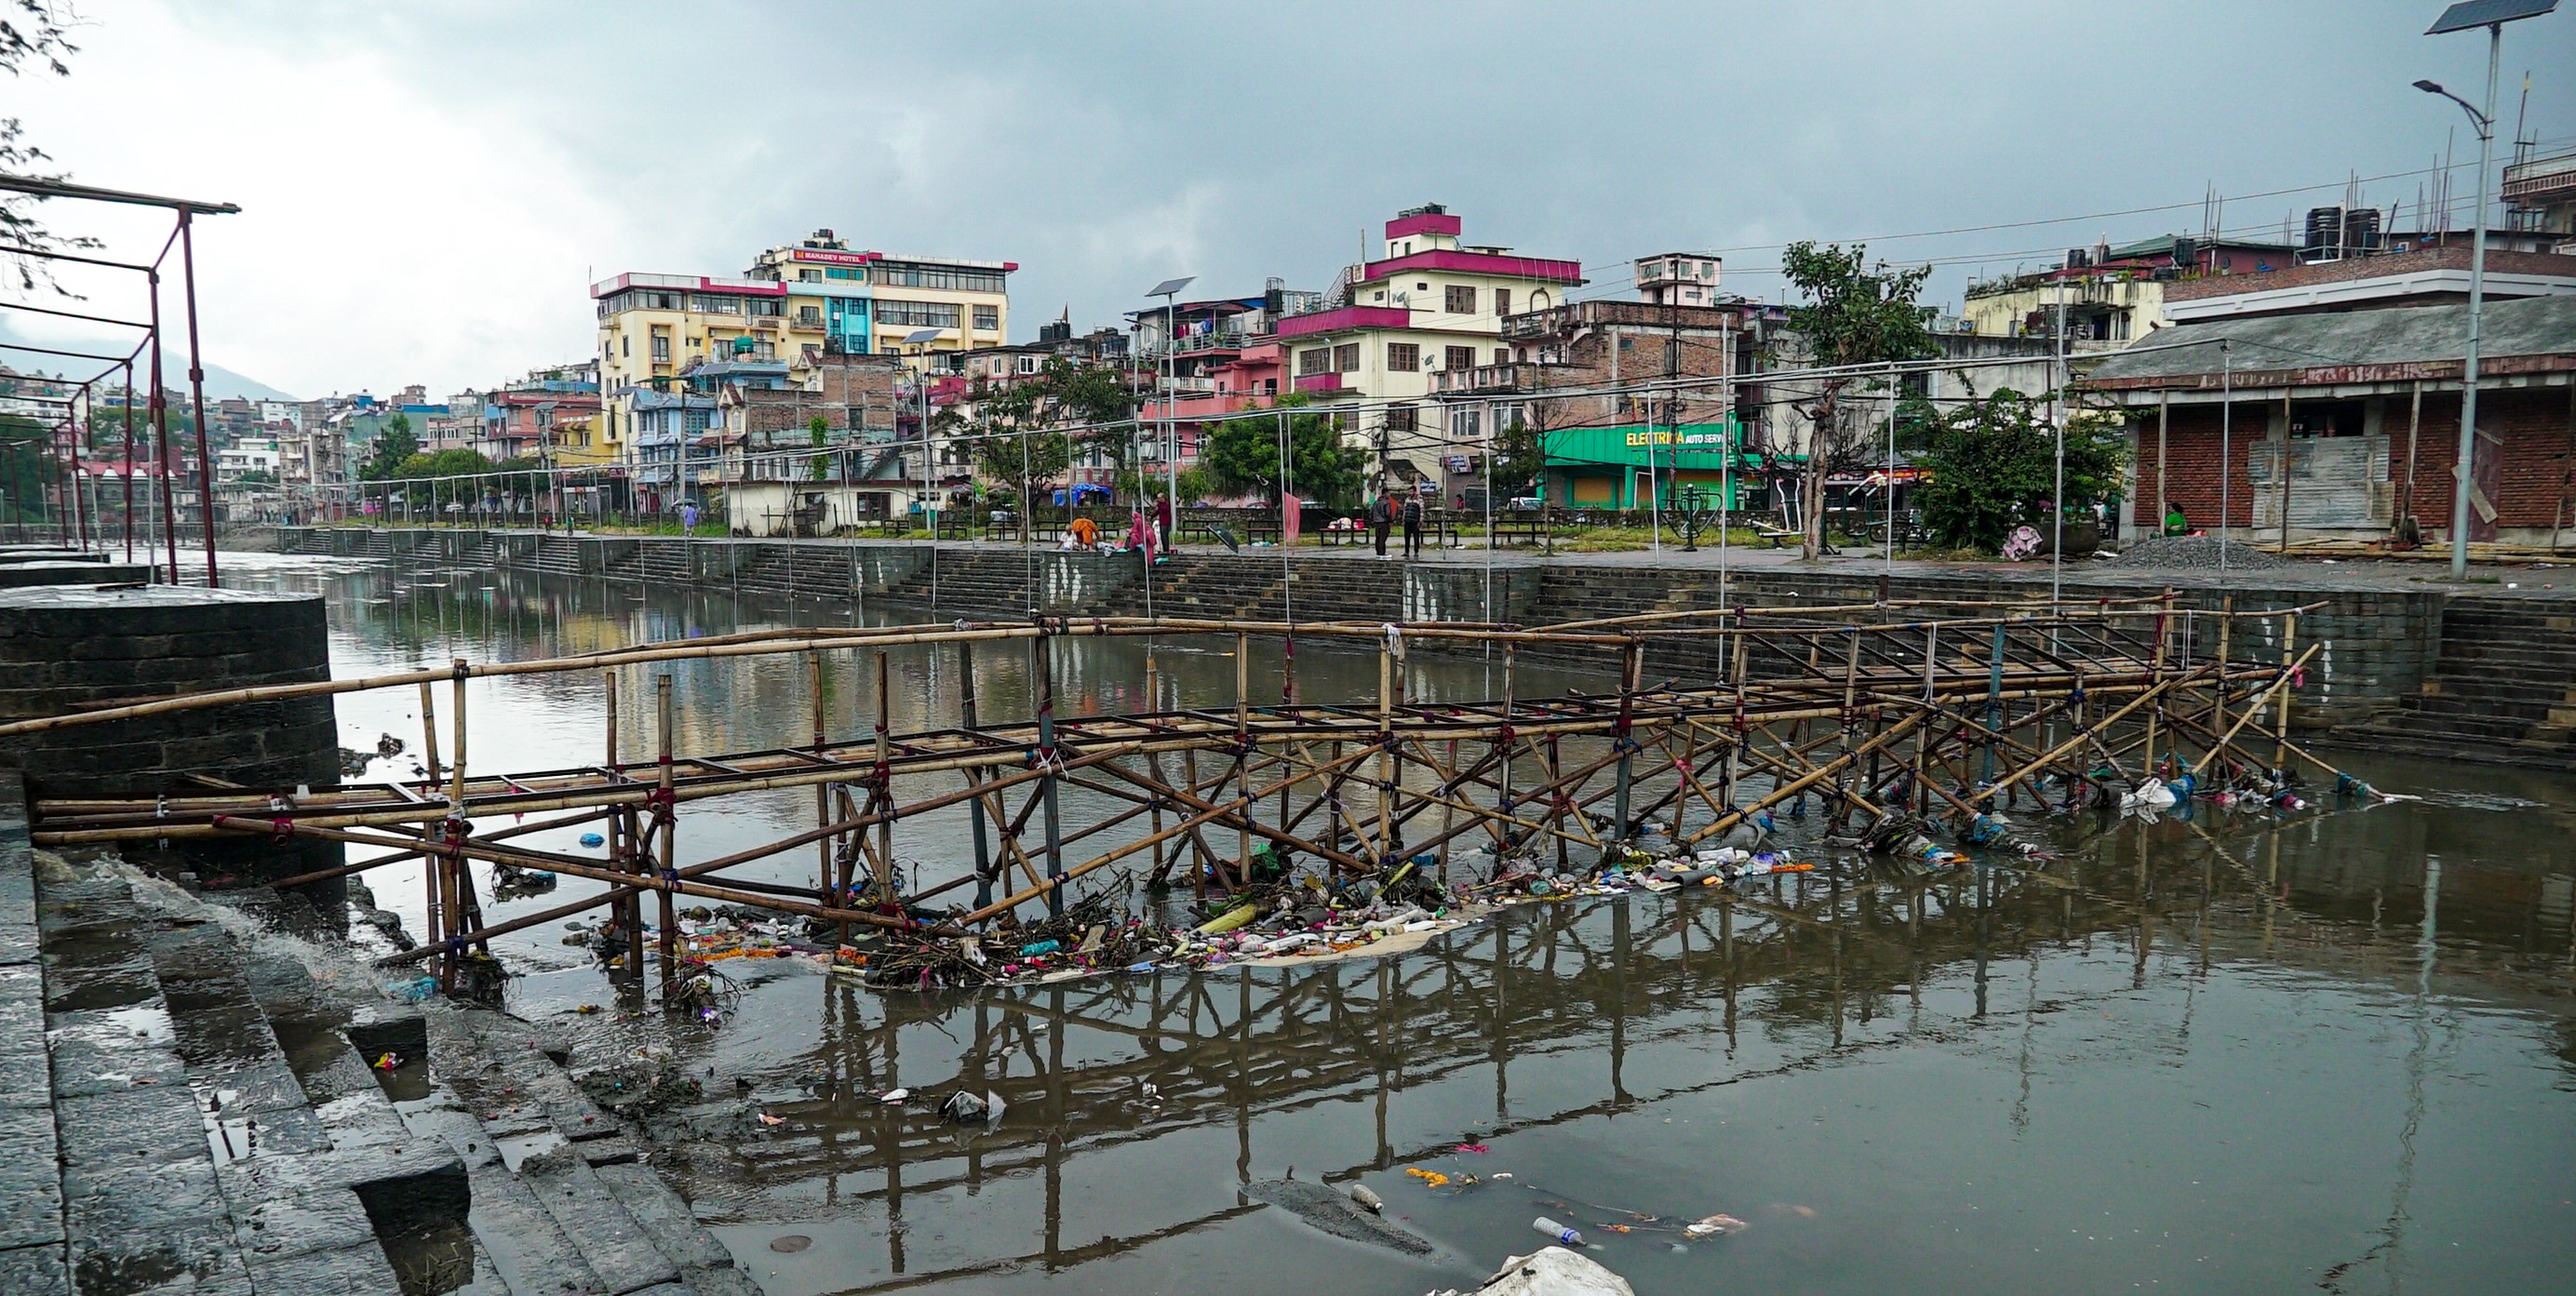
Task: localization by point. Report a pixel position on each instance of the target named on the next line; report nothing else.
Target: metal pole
(2462, 475)
(2057, 418)
(197, 394)
(129, 463)
(2226, 448)
(1891, 470)
(1171, 431)
(161, 434)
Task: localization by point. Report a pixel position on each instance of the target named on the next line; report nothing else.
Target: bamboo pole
(435, 915)
(2281, 721)
(668, 815)
(1242, 754)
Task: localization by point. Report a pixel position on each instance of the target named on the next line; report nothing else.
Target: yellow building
(809, 298)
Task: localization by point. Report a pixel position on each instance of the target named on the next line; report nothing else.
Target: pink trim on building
(1348, 317)
(690, 283)
(1424, 223)
(1519, 267)
(1322, 382)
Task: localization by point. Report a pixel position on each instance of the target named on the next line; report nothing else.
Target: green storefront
(1621, 467)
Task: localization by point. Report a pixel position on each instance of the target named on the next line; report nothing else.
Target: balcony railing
(1492, 378)
(1193, 343)
(1320, 384)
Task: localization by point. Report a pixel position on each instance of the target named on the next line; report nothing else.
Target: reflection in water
(2223, 1053)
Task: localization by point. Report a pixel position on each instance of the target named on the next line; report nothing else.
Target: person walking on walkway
(1412, 525)
(1381, 513)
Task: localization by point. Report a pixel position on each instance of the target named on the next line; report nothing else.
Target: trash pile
(1275, 919)
(2172, 792)
(1093, 935)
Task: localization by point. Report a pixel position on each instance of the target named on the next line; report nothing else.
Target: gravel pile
(2195, 552)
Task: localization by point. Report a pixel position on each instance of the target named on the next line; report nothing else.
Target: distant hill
(220, 382)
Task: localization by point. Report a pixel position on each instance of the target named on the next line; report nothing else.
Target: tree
(31, 33)
(819, 431)
(1520, 457)
(1993, 466)
(1852, 314)
(394, 446)
(1242, 454)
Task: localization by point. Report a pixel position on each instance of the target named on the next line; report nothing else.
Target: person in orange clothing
(1084, 533)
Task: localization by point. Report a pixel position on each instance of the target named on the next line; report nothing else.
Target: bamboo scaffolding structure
(1890, 727)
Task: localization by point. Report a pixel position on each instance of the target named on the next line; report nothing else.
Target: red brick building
(2367, 403)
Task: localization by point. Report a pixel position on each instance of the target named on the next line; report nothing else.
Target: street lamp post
(2492, 15)
(1168, 290)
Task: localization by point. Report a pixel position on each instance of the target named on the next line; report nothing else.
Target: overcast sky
(427, 189)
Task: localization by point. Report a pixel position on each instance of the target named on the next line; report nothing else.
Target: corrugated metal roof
(2397, 335)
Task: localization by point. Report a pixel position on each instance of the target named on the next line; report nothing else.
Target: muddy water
(2334, 1052)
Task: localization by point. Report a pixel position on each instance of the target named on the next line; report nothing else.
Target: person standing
(688, 517)
(1412, 525)
(1381, 513)
(1163, 520)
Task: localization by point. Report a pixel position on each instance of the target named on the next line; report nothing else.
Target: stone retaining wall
(68, 649)
(2376, 646)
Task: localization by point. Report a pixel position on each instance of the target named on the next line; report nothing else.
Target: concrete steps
(2503, 690)
(560, 1202)
(191, 1152)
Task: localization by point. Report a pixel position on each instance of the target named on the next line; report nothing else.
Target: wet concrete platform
(185, 1108)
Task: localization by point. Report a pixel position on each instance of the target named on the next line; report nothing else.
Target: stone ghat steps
(561, 1202)
(2502, 692)
(185, 1110)
(192, 1155)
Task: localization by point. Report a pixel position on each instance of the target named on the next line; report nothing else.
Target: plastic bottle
(1558, 1231)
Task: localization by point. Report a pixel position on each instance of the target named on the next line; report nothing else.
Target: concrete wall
(2376, 646)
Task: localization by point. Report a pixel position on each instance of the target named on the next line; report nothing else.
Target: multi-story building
(2111, 296)
(1614, 432)
(1202, 360)
(1430, 305)
(797, 303)
(552, 415)
(2541, 194)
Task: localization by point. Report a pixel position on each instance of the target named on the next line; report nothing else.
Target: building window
(661, 346)
(1317, 361)
(902, 314)
(716, 305)
(809, 317)
(1402, 418)
(1502, 301)
(809, 276)
(1458, 299)
(1403, 357)
(1502, 355)
(843, 272)
(771, 307)
(988, 319)
(1458, 358)
(1346, 357)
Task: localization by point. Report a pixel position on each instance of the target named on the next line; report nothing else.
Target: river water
(2334, 1051)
